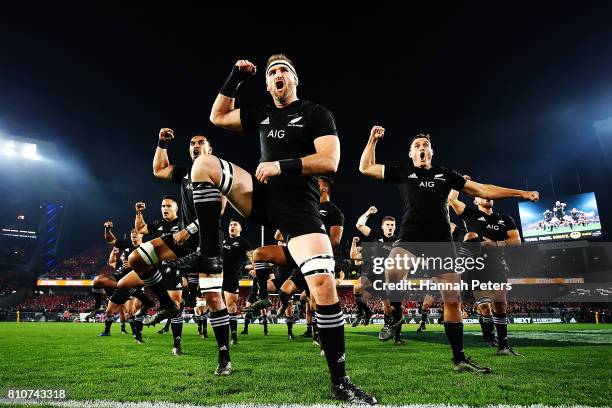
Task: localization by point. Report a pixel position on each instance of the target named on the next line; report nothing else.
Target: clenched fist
(140, 207)
(372, 210)
(377, 132)
(166, 135)
(246, 68)
(531, 195)
(108, 224)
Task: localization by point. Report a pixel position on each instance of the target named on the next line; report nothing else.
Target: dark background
(509, 93)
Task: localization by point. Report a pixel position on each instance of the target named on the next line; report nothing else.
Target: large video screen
(560, 218)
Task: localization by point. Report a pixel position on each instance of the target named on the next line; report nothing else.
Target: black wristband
(163, 144)
(291, 166)
(232, 83)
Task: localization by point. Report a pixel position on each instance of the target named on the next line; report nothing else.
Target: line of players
(557, 218)
(299, 142)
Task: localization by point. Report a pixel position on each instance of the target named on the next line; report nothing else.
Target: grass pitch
(563, 364)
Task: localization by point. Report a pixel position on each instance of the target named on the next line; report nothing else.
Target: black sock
(454, 333)
(107, 324)
(309, 327)
(154, 280)
(396, 311)
(331, 330)
(262, 272)
(204, 324)
(97, 300)
(132, 326)
(488, 327)
(284, 299)
(199, 321)
(233, 324)
(207, 203)
(265, 323)
(123, 325)
(247, 320)
(138, 326)
(501, 326)
(315, 326)
(177, 329)
(398, 332)
(167, 325)
(220, 323)
(423, 319)
(289, 327)
(358, 300)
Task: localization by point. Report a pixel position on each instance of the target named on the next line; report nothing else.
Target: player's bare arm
(367, 164)
(324, 161)
(223, 113)
(453, 200)
(139, 223)
(493, 192)
(162, 168)
(361, 222)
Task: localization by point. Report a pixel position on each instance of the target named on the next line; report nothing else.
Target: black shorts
(281, 274)
(231, 281)
(120, 296)
(181, 250)
(495, 268)
(120, 273)
(172, 278)
(293, 216)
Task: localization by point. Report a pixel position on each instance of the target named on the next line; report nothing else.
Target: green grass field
(563, 364)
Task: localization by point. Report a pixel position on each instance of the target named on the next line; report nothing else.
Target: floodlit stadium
(267, 205)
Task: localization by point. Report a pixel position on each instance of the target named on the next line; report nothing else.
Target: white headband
(284, 63)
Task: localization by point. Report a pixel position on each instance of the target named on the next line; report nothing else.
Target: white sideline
(162, 404)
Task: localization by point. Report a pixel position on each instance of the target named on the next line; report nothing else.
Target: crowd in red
(85, 265)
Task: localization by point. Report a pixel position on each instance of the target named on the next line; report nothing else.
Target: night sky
(509, 93)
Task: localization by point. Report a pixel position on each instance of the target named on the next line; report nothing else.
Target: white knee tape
(211, 285)
(147, 253)
(318, 264)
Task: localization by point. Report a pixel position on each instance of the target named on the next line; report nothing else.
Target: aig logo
(493, 227)
(276, 134)
(427, 184)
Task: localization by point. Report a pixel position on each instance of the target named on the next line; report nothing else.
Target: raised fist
(140, 207)
(246, 67)
(377, 132)
(355, 239)
(372, 210)
(108, 224)
(166, 134)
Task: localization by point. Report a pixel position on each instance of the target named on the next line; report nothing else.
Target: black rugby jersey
(331, 215)
(126, 248)
(162, 227)
(424, 195)
(235, 255)
(289, 133)
(182, 175)
(494, 226)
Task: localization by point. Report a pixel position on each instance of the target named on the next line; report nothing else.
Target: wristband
(192, 228)
(291, 166)
(232, 83)
(362, 220)
(162, 144)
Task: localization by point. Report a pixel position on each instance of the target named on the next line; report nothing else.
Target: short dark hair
(421, 136)
(387, 218)
(198, 133)
(235, 220)
(169, 197)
